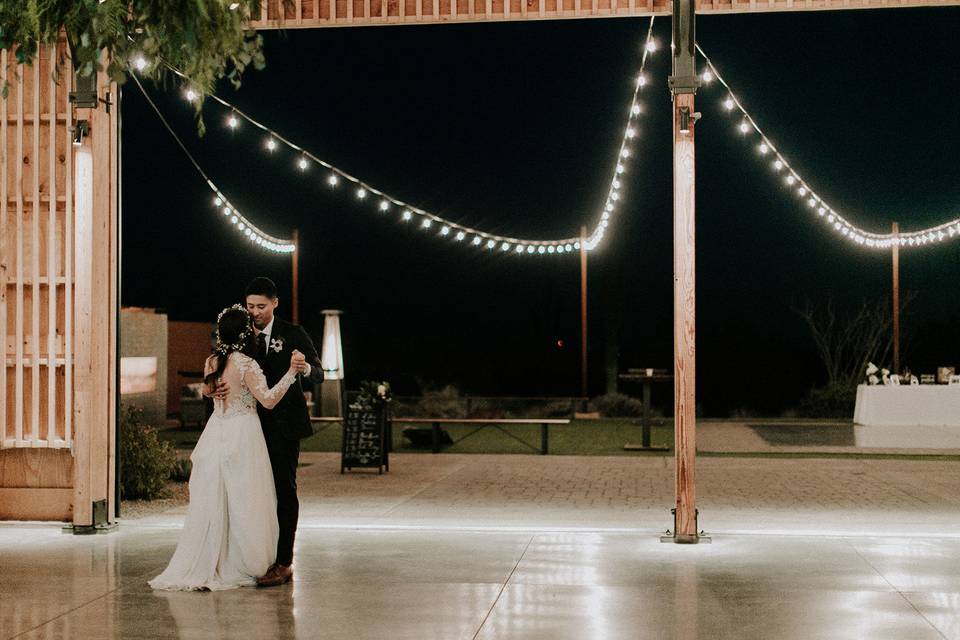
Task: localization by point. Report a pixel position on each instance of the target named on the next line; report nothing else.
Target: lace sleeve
(257, 384)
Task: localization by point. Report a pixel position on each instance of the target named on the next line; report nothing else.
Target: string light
(480, 238)
(220, 202)
(847, 229)
(248, 229)
(271, 144)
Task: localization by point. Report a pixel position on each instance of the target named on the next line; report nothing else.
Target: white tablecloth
(932, 405)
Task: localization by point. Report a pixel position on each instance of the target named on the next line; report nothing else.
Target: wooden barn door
(57, 297)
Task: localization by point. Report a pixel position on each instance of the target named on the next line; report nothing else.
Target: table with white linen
(935, 405)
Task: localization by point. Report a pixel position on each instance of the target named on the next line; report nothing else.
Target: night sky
(513, 128)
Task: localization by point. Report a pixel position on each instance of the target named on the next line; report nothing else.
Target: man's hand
(299, 362)
(221, 391)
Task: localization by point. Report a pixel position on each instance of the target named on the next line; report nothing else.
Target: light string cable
(803, 191)
(427, 220)
(625, 152)
(253, 233)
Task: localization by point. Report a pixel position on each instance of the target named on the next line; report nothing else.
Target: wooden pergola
(59, 221)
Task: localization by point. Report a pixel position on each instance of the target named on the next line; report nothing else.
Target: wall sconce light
(687, 118)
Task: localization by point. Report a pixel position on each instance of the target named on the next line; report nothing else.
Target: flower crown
(223, 348)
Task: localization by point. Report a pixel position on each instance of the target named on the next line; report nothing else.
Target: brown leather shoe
(276, 575)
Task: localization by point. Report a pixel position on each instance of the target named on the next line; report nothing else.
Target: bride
(230, 533)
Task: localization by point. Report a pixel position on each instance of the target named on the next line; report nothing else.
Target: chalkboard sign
(364, 440)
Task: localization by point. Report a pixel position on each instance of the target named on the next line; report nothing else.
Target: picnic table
(482, 423)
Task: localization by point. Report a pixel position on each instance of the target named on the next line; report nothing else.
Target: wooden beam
(4, 251)
(684, 318)
(896, 299)
(434, 12)
(583, 312)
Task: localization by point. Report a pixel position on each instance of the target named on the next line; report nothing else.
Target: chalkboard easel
(364, 440)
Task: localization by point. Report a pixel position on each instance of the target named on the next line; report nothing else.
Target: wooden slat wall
(57, 301)
(341, 13)
(35, 293)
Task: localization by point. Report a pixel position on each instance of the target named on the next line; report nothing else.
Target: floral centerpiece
(374, 395)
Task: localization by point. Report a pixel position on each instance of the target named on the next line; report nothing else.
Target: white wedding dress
(230, 533)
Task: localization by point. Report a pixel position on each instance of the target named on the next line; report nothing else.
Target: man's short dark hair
(261, 287)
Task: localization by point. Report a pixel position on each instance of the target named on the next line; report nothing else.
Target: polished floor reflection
(398, 584)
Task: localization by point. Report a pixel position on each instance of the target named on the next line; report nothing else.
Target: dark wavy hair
(234, 333)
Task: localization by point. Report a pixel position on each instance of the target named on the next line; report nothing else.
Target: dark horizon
(513, 128)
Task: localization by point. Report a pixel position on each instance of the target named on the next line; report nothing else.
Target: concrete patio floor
(484, 547)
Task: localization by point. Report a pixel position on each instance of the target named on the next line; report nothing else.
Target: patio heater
(331, 359)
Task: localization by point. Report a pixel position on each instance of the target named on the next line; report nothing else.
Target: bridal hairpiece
(223, 348)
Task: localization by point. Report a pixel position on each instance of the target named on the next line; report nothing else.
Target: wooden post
(295, 301)
(896, 298)
(684, 328)
(96, 300)
(683, 85)
(583, 312)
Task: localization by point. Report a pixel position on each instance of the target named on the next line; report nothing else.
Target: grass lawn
(604, 437)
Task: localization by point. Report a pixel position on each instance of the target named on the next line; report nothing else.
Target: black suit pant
(284, 455)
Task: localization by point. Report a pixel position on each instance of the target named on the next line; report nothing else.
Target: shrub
(145, 462)
(618, 405)
(181, 470)
(440, 403)
(828, 402)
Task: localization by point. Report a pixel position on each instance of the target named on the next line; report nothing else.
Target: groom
(289, 421)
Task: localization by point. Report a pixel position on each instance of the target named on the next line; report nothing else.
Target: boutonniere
(276, 344)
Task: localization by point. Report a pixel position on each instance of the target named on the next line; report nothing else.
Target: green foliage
(181, 470)
(618, 405)
(374, 394)
(204, 39)
(145, 462)
(836, 401)
(437, 403)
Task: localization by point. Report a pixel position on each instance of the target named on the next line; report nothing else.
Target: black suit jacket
(290, 418)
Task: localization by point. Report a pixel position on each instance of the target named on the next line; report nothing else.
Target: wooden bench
(482, 423)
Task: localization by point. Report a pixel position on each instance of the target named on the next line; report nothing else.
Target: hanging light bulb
(361, 193)
(744, 127)
(764, 148)
(232, 121)
(191, 95)
(728, 104)
(139, 63)
(651, 45)
(707, 76)
(407, 215)
(271, 144)
(302, 164)
(333, 180)
(384, 205)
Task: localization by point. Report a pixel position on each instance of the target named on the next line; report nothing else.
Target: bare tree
(846, 344)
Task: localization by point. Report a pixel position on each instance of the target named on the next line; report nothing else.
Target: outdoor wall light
(686, 118)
